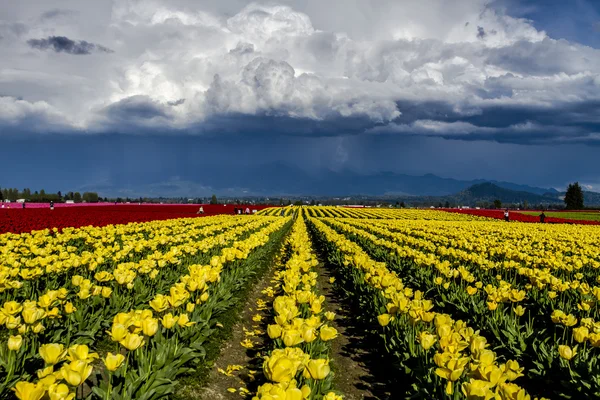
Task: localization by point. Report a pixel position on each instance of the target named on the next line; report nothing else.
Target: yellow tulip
(293, 394)
(15, 342)
(274, 331)
(12, 307)
(113, 361)
(519, 310)
(279, 369)
(384, 319)
(169, 321)
(48, 381)
(184, 321)
(52, 353)
(317, 369)
(60, 391)
(189, 307)
(159, 303)
(37, 328)
(427, 340)
(29, 391)
(132, 341)
(81, 352)
(12, 322)
(31, 315)
(150, 326)
(306, 390)
(328, 333)
(118, 332)
(291, 337)
(566, 352)
(329, 315)
(41, 373)
(476, 388)
(581, 334)
(106, 292)
(76, 372)
(308, 335)
(70, 308)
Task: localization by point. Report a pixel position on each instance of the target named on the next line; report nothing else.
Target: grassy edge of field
(189, 386)
(574, 215)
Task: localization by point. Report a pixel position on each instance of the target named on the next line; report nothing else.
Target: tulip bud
(113, 361)
(149, 326)
(327, 333)
(566, 352)
(317, 369)
(580, 334)
(274, 331)
(383, 319)
(15, 342)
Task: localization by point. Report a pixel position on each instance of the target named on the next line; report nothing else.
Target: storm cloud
(421, 77)
(295, 66)
(62, 44)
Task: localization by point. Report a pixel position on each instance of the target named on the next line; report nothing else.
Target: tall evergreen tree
(574, 197)
(213, 199)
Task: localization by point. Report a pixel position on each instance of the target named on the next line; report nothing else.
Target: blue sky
(141, 96)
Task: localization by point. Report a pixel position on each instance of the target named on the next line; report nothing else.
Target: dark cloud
(265, 125)
(480, 32)
(242, 48)
(136, 108)
(55, 13)
(176, 102)
(62, 44)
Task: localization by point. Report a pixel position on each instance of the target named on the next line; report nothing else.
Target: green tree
(213, 200)
(90, 197)
(77, 197)
(1, 196)
(497, 203)
(574, 197)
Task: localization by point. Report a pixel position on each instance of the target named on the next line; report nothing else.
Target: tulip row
(382, 213)
(298, 366)
(412, 329)
(541, 346)
(158, 277)
(152, 354)
(33, 256)
(276, 211)
(433, 253)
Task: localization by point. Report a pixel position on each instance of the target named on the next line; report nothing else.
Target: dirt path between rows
(233, 353)
(352, 361)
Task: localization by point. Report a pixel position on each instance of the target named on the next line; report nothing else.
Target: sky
(141, 96)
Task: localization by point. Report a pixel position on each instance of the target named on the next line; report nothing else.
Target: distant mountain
(488, 192)
(282, 179)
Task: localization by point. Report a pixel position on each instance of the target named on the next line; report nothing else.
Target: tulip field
(458, 306)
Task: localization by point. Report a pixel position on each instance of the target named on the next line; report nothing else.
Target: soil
(353, 363)
(233, 353)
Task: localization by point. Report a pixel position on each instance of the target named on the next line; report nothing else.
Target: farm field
(34, 217)
(572, 215)
(424, 304)
(558, 217)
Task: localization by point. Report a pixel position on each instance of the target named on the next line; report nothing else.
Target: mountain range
(281, 179)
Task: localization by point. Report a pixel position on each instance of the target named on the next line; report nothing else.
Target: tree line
(41, 196)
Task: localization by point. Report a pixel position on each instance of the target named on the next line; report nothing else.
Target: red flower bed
(18, 220)
(517, 216)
